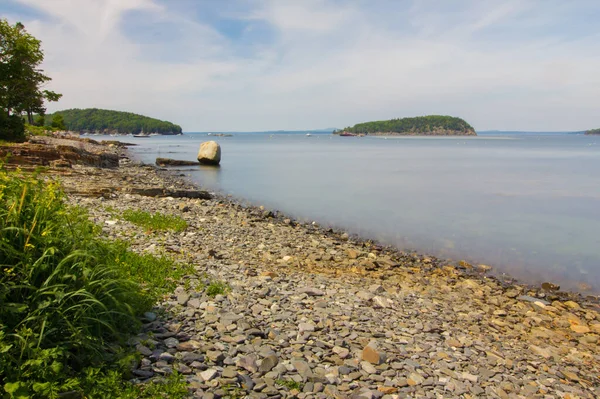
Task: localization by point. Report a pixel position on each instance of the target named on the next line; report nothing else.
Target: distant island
(94, 120)
(431, 125)
(593, 132)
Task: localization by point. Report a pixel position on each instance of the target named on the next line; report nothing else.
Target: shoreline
(312, 299)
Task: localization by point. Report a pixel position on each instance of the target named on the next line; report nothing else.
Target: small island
(431, 125)
(593, 132)
(103, 121)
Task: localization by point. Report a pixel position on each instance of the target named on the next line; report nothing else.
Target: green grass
(289, 384)
(156, 221)
(217, 288)
(70, 299)
(39, 130)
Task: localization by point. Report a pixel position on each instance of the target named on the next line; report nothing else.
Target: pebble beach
(310, 312)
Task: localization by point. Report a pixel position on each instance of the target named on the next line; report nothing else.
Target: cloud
(285, 64)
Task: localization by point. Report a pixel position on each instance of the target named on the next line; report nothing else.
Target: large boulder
(209, 153)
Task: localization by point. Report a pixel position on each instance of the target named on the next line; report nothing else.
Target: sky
(253, 65)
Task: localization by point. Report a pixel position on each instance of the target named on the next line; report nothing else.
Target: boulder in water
(209, 153)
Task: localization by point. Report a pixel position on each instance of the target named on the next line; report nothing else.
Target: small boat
(308, 134)
(141, 135)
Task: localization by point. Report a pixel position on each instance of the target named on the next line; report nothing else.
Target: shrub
(69, 299)
(12, 127)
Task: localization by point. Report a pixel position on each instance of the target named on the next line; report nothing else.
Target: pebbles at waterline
(317, 315)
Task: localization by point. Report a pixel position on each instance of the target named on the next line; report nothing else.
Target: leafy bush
(156, 221)
(12, 128)
(69, 299)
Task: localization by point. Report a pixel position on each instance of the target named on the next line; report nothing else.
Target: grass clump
(69, 299)
(217, 288)
(156, 221)
(289, 384)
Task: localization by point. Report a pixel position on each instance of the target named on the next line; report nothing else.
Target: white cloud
(506, 65)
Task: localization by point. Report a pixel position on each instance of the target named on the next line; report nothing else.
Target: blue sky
(301, 64)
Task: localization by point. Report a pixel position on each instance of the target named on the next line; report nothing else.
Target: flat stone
(372, 355)
(150, 316)
(194, 303)
(248, 363)
(368, 367)
(183, 298)
(209, 374)
(306, 327)
(415, 379)
(268, 363)
(580, 329)
(144, 350)
(311, 291)
(302, 368)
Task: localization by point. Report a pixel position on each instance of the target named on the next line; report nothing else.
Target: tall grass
(68, 298)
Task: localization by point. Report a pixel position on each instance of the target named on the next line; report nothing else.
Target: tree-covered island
(94, 120)
(593, 132)
(431, 125)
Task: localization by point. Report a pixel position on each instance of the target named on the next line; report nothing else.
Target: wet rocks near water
(314, 314)
(209, 153)
(59, 153)
(174, 162)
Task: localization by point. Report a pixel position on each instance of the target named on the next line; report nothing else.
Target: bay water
(526, 204)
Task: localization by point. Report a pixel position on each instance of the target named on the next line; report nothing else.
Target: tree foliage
(58, 122)
(421, 125)
(107, 121)
(593, 131)
(21, 79)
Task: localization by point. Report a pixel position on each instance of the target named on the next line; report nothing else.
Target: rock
(174, 162)
(209, 374)
(194, 303)
(415, 379)
(143, 350)
(550, 287)
(311, 291)
(572, 305)
(306, 327)
(528, 298)
(368, 367)
(372, 355)
(268, 363)
(302, 368)
(248, 363)
(580, 329)
(209, 153)
(150, 316)
(183, 298)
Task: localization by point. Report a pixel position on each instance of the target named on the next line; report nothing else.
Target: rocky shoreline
(314, 313)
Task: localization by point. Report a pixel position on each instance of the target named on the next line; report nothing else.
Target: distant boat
(347, 134)
(308, 134)
(141, 135)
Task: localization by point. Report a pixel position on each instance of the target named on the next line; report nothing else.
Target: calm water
(529, 205)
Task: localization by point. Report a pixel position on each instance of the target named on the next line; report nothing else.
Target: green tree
(40, 120)
(58, 122)
(21, 80)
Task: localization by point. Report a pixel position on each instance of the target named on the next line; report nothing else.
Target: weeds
(156, 221)
(217, 288)
(69, 299)
(289, 384)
